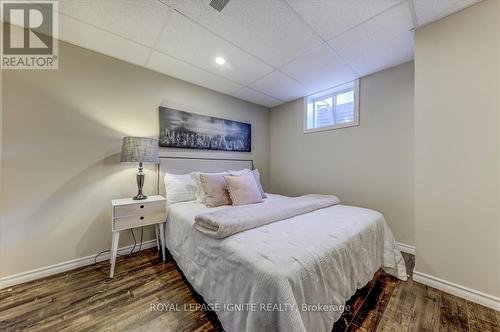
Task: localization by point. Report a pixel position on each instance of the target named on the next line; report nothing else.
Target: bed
(291, 275)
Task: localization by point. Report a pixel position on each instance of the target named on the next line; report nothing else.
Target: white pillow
(179, 188)
(256, 175)
(239, 173)
(201, 195)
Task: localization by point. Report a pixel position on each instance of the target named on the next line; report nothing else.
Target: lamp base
(139, 197)
(140, 183)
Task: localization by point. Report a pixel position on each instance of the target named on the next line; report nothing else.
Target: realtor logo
(29, 36)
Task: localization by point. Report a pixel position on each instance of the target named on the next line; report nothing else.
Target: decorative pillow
(179, 188)
(215, 188)
(201, 196)
(256, 175)
(243, 189)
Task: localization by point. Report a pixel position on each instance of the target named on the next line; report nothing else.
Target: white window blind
(332, 108)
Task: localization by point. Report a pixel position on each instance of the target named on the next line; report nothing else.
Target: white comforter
(272, 278)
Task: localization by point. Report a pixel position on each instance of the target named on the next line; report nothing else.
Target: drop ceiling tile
(268, 29)
(319, 69)
(330, 18)
(167, 65)
(140, 21)
(431, 10)
(256, 97)
(280, 86)
(76, 32)
(382, 42)
(186, 40)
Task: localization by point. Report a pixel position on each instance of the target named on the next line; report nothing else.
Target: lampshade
(140, 149)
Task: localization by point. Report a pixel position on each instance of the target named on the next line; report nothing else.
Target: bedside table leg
(114, 251)
(162, 242)
(157, 237)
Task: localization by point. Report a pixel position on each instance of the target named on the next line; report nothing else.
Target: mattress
(291, 275)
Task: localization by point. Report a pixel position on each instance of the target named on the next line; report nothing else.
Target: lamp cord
(131, 251)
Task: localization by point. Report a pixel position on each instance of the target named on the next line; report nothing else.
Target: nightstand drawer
(139, 209)
(139, 220)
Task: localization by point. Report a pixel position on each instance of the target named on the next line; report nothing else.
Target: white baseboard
(406, 248)
(458, 290)
(62, 267)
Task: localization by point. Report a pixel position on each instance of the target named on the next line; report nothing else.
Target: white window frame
(334, 91)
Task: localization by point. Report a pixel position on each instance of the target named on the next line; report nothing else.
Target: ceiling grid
(275, 50)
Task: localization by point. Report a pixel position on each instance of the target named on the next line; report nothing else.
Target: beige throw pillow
(215, 188)
(256, 175)
(201, 195)
(243, 189)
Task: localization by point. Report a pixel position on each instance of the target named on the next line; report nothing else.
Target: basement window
(333, 108)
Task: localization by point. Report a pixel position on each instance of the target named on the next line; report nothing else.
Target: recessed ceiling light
(220, 61)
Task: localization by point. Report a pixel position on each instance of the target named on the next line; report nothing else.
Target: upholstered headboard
(184, 165)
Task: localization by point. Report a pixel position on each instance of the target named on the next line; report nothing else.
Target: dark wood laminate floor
(86, 299)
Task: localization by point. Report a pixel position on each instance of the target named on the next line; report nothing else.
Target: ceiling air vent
(219, 4)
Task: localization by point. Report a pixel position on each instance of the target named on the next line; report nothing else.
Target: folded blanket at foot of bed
(226, 222)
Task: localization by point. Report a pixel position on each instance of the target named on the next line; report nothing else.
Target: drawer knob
(142, 206)
(142, 217)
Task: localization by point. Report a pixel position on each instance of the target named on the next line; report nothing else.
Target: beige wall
(370, 165)
(62, 132)
(457, 148)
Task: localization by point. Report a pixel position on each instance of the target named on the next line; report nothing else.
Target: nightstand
(128, 213)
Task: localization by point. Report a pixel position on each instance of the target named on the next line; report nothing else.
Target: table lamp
(140, 150)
